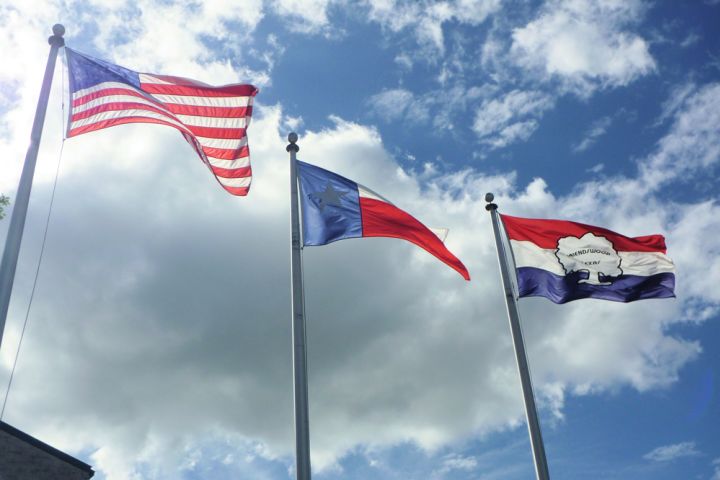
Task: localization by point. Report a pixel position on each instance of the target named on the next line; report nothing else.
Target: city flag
(335, 208)
(565, 261)
(213, 120)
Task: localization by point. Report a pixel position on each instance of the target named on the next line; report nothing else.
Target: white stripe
(238, 101)
(146, 78)
(214, 122)
(527, 254)
(227, 143)
(365, 192)
(117, 99)
(441, 233)
(230, 164)
(234, 182)
(103, 86)
(645, 263)
(203, 101)
(123, 114)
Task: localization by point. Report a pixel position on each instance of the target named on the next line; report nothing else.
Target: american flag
(213, 120)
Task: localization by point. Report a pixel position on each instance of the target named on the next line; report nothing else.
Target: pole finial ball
(292, 137)
(489, 197)
(58, 29)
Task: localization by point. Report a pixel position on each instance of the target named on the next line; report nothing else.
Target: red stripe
(227, 153)
(118, 107)
(546, 233)
(115, 121)
(83, 99)
(179, 80)
(218, 133)
(180, 87)
(217, 112)
(189, 82)
(200, 91)
(194, 144)
(242, 172)
(239, 191)
(177, 108)
(381, 219)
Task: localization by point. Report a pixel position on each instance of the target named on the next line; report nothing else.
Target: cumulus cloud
(194, 333)
(584, 43)
(27, 26)
(672, 452)
(159, 338)
(562, 48)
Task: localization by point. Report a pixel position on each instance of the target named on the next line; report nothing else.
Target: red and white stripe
(381, 218)
(534, 244)
(213, 120)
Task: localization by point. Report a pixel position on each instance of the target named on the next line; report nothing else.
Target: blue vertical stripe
(330, 206)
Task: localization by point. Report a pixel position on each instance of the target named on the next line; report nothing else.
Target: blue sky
(158, 339)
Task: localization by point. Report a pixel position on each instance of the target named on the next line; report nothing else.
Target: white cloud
(15, 20)
(693, 142)
(596, 169)
(596, 130)
(305, 16)
(392, 104)
(163, 298)
(691, 39)
(672, 452)
(690, 146)
(675, 101)
(426, 18)
(512, 118)
(455, 462)
(198, 323)
(225, 27)
(716, 463)
(585, 43)
(572, 47)
(440, 111)
(178, 35)
(404, 61)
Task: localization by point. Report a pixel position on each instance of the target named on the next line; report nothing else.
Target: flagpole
(302, 428)
(536, 441)
(22, 198)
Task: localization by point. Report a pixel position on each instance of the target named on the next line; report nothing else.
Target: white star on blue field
(328, 197)
(158, 339)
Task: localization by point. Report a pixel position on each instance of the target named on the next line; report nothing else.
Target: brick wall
(25, 458)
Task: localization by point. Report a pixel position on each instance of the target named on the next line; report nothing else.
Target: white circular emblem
(596, 256)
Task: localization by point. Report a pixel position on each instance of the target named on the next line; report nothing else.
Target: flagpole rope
(42, 248)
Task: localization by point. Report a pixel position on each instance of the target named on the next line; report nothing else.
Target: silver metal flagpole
(22, 198)
(536, 441)
(302, 428)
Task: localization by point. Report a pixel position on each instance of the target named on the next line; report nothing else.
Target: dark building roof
(34, 442)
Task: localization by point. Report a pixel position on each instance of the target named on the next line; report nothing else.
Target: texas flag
(565, 261)
(334, 208)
